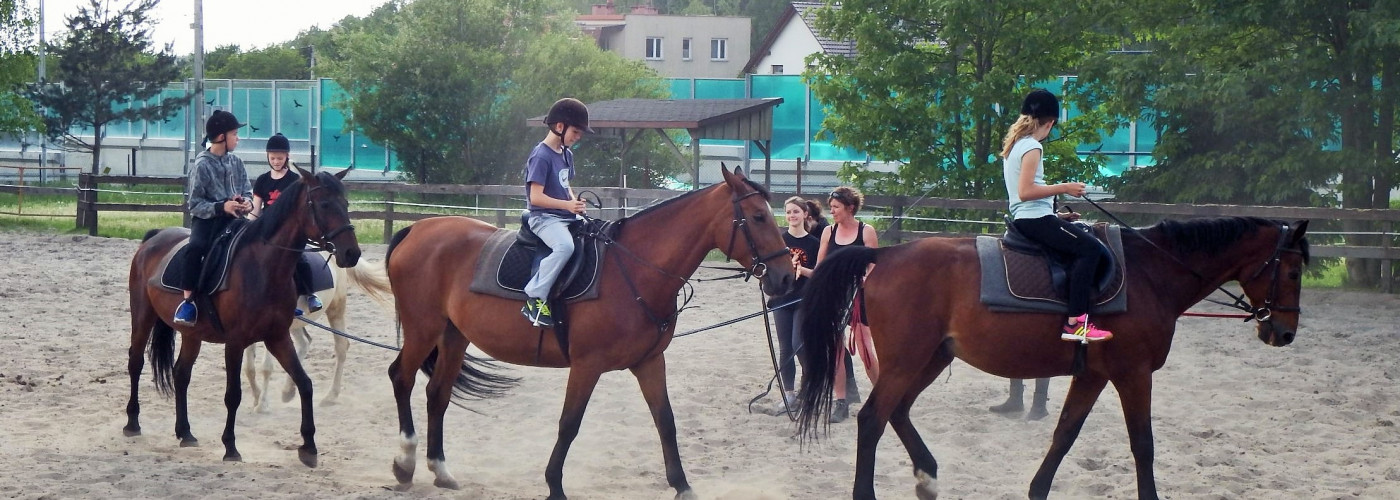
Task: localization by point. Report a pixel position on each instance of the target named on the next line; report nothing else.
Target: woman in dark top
(844, 203)
(267, 189)
(804, 247)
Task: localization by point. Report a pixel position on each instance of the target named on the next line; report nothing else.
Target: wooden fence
(507, 201)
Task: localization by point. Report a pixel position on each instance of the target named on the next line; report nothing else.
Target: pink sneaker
(1084, 331)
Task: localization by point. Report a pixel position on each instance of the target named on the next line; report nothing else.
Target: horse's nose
(1286, 337)
(351, 257)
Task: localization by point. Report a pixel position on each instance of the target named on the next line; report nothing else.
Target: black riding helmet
(219, 123)
(568, 111)
(1040, 103)
(278, 144)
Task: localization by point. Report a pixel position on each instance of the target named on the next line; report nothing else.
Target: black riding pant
(202, 234)
(302, 277)
(1072, 242)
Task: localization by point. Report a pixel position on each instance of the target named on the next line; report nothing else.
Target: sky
(250, 24)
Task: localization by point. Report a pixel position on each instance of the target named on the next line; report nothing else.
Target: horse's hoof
(308, 457)
(131, 431)
(687, 495)
(189, 442)
(560, 496)
(287, 396)
(927, 488)
(233, 456)
(404, 476)
(449, 484)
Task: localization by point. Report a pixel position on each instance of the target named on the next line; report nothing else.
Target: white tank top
(1011, 170)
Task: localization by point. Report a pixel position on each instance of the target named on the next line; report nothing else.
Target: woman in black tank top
(844, 203)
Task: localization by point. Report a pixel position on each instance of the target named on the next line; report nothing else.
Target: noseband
(759, 267)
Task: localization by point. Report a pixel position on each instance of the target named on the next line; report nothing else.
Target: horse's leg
(143, 320)
(889, 402)
(452, 351)
(302, 340)
(233, 396)
(582, 381)
(419, 339)
(336, 314)
(1135, 393)
(651, 376)
(250, 372)
(1083, 392)
(280, 347)
(184, 364)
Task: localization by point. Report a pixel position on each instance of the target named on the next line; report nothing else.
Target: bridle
(759, 267)
(1266, 312)
(323, 242)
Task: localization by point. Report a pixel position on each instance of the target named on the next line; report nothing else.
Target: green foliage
(17, 67)
(276, 62)
(936, 84)
(449, 86)
(106, 61)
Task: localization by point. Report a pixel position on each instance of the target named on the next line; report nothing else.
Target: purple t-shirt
(551, 170)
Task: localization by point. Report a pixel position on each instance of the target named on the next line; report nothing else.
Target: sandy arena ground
(1233, 418)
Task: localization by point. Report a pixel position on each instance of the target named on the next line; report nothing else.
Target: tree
(109, 73)
(449, 86)
(936, 83)
(17, 63)
(1266, 103)
(277, 62)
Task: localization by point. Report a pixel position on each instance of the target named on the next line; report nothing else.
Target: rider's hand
(232, 207)
(1075, 189)
(577, 206)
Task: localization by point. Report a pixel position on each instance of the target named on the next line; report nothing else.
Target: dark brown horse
(923, 306)
(628, 326)
(259, 283)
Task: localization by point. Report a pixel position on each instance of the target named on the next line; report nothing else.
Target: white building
(675, 46)
(784, 51)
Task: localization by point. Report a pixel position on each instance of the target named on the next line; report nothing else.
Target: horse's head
(327, 221)
(1274, 287)
(755, 235)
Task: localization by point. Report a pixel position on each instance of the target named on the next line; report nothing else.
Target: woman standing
(845, 231)
(804, 247)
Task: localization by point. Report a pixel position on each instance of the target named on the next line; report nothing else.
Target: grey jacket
(214, 180)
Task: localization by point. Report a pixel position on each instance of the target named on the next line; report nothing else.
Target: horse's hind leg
(452, 352)
(1083, 392)
(582, 381)
(651, 376)
(925, 467)
(233, 396)
(184, 364)
(143, 320)
(342, 346)
(280, 346)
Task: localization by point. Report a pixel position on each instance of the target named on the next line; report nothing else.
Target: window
(685, 49)
(719, 49)
(777, 69)
(653, 47)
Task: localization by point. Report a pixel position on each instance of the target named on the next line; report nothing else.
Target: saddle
(509, 259)
(214, 274)
(321, 276)
(1018, 275)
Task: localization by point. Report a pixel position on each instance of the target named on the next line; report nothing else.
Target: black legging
(789, 325)
(1071, 240)
(302, 276)
(202, 234)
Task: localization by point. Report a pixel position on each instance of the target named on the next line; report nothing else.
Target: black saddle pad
(322, 277)
(506, 265)
(216, 263)
(1017, 277)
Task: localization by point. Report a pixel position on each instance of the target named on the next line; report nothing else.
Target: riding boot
(1042, 390)
(852, 389)
(1013, 402)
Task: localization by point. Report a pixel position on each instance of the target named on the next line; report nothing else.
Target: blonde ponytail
(1022, 128)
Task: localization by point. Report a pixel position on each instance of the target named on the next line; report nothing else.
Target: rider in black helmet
(551, 201)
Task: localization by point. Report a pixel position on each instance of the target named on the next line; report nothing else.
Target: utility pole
(43, 75)
(198, 119)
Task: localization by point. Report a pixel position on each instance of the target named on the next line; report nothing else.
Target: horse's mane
(1214, 235)
(756, 187)
(272, 218)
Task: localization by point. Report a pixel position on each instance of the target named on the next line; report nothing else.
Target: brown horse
(259, 282)
(923, 305)
(628, 326)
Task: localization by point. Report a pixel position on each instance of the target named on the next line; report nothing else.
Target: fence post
(92, 206)
(388, 216)
(897, 220)
(501, 219)
(798, 189)
(1387, 272)
(80, 218)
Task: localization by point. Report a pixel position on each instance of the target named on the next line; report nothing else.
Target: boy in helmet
(266, 189)
(218, 193)
(551, 201)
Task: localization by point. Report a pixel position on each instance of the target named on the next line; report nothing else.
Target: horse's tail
(473, 382)
(394, 242)
(826, 304)
(374, 280)
(163, 357)
(149, 235)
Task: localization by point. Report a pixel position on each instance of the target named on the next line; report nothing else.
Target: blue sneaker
(186, 313)
(313, 303)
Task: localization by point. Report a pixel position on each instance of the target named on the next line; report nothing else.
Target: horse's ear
(1300, 228)
(341, 174)
(739, 171)
(303, 173)
(723, 170)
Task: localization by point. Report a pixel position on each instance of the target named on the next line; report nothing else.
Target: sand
(1234, 418)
